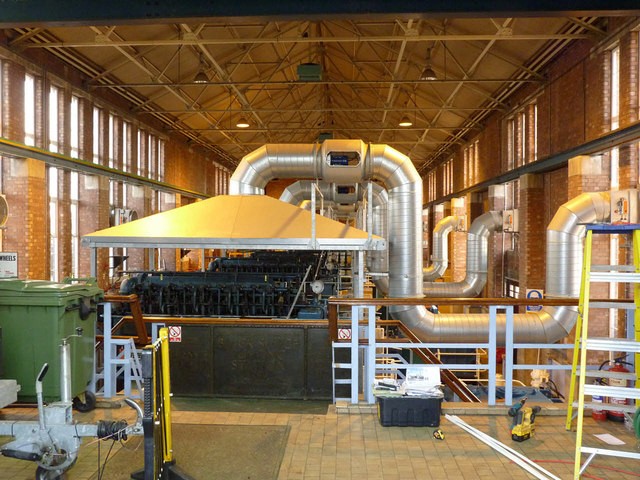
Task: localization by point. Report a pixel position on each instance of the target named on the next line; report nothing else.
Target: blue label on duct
(340, 160)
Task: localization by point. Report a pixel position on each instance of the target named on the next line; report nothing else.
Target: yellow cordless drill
(522, 427)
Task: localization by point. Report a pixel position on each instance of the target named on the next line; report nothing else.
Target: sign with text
(8, 264)
(175, 334)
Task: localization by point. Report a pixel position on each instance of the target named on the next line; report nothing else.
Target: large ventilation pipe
(477, 250)
(440, 248)
(564, 271)
(352, 161)
(299, 192)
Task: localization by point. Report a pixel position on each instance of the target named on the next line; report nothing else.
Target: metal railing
(363, 339)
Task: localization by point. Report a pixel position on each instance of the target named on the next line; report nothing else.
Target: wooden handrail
(136, 316)
(550, 302)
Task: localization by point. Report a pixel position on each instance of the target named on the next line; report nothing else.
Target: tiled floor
(356, 446)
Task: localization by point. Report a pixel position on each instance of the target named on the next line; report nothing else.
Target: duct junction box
(510, 221)
(624, 206)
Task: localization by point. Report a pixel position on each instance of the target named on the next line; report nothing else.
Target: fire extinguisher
(618, 366)
(599, 415)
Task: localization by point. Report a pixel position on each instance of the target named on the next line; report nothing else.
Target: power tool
(523, 427)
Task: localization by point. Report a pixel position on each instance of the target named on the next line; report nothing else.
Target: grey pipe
(564, 272)
(477, 252)
(440, 248)
(377, 162)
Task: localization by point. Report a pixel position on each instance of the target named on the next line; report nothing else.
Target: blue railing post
(371, 355)
(492, 354)
(508, 360)
(355, 365)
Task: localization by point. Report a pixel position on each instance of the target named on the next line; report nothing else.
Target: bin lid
(41, 292)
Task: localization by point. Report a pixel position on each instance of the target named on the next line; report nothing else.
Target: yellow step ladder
(583, 343)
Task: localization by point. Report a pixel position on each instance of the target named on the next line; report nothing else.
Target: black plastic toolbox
(409, 411)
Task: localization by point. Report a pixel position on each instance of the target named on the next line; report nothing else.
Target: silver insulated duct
(564, 270)
(477, 252)
(440, 248)
(352, 161)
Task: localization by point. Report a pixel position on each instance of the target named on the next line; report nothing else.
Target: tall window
(29, 111)
(53, 119)
(470, 157)
(615, 113)
(431, 183)
(161, 160)
(522, 139)
(75, 128)
(53, 222)
(535, 131)
(96, 135)
(125, 147)
(615, 88)
(447, 177)
(139, 160)
(111, 142)
(75, 239)
(511, 138)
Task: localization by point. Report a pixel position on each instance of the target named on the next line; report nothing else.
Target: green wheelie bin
(35, 316)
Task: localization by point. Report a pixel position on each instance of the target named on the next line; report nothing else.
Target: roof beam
(102, 42)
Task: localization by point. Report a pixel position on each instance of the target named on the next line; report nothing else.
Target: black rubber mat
(208, 452)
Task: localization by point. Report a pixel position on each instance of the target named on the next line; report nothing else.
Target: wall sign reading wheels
(8, 264)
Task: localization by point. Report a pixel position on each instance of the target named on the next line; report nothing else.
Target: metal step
(608, 374)
(611, 453)
(612, 407)
(616, 305)
(612, 391)
(608, 268)
(613, 344)
(621, 277)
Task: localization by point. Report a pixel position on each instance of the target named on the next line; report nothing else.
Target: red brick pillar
(24, 184)
(64, 186)
(458, 258)
(103, 207)
(495, 246)
(532, 233)
(88, 219)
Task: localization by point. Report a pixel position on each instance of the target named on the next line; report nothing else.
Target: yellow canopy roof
(235, 221)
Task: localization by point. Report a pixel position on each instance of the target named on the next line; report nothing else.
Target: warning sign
(175, 334)
(344, 334)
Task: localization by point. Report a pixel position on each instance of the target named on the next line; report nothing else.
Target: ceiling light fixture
(242, 122)
(201, 77)
(405, 122)
(428, 73)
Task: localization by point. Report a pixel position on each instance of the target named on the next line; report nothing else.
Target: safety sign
(175, 334)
